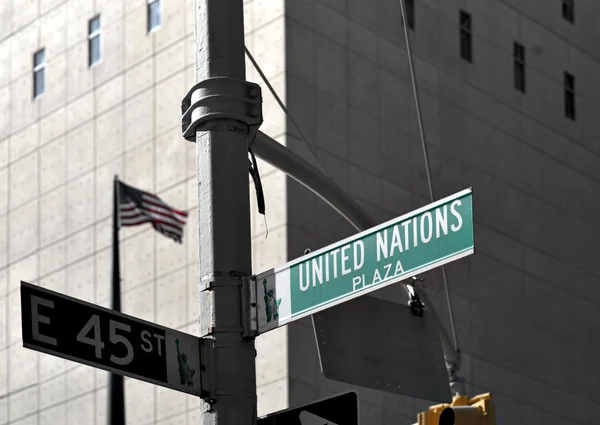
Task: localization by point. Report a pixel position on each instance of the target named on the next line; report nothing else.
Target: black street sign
(66, 327)
(338, 410)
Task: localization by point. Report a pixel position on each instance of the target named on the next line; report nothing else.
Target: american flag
(137, 207)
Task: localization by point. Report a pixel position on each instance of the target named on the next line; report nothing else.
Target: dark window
(410, 13)
(568, 10)
(39, 73)
(569, 96)
(519, 66)
(94, 41)
(466, 48)
(154, 14)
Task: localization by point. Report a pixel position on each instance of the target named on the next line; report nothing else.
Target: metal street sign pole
(221, 113)
(76, 330)
(421, 240)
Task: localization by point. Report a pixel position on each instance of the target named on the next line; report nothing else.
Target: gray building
(509, 93)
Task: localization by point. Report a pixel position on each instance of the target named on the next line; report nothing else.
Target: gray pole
(224, 219)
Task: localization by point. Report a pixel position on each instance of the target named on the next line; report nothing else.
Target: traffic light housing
(478, 410)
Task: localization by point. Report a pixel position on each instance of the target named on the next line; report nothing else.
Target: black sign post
(66, 327)
(338, 410)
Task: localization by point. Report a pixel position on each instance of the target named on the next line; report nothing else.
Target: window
(519, 66)
(410, 13)
(569, 96)
(39, 73)
(154, 14)
(94, 41)
(466, 49)
(568, 10)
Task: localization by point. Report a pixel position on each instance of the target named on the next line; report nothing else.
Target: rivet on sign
(254, 111)
(253, 92)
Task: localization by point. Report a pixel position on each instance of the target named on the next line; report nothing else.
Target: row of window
(153, 16)
(466, 53)
(154, 12)
(568, 12)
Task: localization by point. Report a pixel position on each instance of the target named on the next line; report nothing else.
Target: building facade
(509, 96)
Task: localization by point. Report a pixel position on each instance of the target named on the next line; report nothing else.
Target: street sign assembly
(421, 240)
(337, 410)
(66, 327)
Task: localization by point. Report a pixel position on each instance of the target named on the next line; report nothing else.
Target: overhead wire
(426, 158)
(292, 121)
(285, 110)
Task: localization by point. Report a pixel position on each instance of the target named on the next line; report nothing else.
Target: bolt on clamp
(249, 307)
(221, 98)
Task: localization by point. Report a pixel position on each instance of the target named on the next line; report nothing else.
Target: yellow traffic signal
(478, 410)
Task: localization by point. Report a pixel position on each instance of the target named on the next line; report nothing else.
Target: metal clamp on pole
(208, 284)
(207, 371)
(249, 307)
(221, 98)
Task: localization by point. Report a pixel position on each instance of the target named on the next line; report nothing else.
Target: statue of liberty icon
(271, 304)
(186, 374)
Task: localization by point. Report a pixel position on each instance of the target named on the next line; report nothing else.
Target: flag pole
(116, 406)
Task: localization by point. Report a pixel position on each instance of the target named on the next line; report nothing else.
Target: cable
(272, 90)
(426, 157)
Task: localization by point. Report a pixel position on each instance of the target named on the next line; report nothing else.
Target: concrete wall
(58, 155)
(527, 304)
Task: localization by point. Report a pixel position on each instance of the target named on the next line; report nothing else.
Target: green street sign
(421, 240)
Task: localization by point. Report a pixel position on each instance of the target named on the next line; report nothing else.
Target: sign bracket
(415, 303)
(207, 370)
(208, 284)
(215, 279)
(249, 307)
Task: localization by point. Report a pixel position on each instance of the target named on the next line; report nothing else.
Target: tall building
(509, 96)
